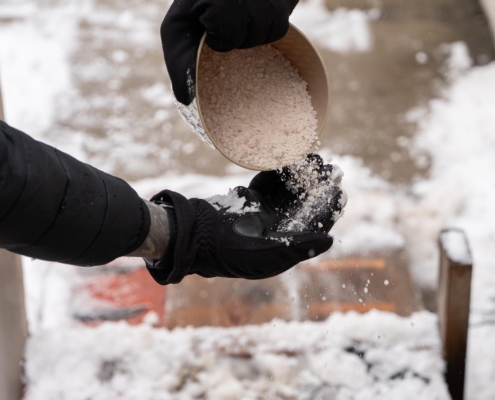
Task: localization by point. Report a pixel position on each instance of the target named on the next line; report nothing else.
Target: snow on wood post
(454, 291)
(13, 324)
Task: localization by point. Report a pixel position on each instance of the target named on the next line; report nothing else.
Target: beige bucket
(296, 47)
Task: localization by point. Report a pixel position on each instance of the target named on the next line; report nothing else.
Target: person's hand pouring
(229, 24)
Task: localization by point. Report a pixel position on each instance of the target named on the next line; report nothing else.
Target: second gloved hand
(248, 234)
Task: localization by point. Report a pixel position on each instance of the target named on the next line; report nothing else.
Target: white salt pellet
(256, 106)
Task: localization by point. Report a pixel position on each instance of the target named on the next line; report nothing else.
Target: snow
(36, 48)
(43, 75)
(459, 129)
(48, 294)
(459, 132)
(456, 246)
(375, 356)
(370, 220)
(341, 30)
(458, 61)
(232, 203)
(194, 185)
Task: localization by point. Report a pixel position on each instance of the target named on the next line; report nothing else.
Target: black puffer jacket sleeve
(54, 207)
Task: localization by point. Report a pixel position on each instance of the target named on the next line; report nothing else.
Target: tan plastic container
(301, 52)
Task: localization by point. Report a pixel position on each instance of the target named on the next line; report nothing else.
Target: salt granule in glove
(307, 195)
(248, 242)
(229, 24)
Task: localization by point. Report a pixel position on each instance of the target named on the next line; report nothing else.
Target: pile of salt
(256, 106)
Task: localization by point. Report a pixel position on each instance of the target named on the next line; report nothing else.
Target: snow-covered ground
(455, 135)
(342, 30)
(375, 356)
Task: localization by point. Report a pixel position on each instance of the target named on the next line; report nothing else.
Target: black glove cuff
(174, 265)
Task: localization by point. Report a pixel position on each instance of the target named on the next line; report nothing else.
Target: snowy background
(87, 77)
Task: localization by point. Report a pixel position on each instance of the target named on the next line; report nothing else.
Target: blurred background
(412, 125)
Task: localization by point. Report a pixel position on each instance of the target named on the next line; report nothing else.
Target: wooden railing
(13, 325)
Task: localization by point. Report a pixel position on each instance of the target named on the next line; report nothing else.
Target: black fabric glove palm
(229, 24)
(215, 240)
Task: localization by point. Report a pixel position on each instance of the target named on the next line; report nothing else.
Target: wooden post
(13, 324)
(454, 292)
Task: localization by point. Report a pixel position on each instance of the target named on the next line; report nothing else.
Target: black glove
(229, 24)
(214, 240)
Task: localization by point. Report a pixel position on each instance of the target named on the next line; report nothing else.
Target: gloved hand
(229, 24)
(244, 234)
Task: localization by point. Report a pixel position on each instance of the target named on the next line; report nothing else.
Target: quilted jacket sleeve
(54, 207)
